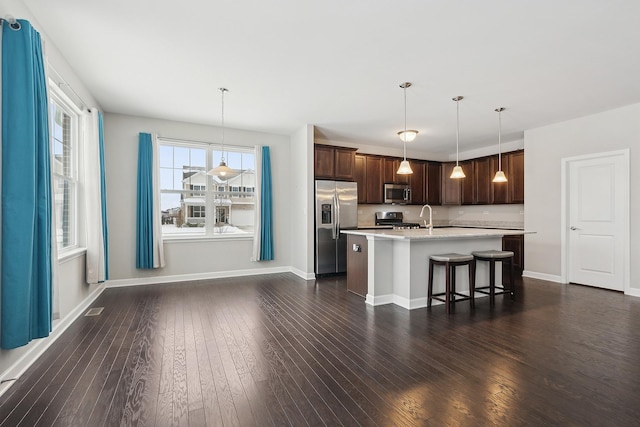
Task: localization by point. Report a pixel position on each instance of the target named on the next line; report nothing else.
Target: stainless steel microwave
(397, 193)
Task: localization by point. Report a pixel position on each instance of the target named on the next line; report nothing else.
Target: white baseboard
(39, 346)
(634, 292)
(542, 276)
(302, 274)
(195, 276)
(379, 300)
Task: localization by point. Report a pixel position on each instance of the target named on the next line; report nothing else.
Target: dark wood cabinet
(357, 265)
(368, 174)
(389, 170)
(334, 162)
(516, 176)
(515, 244)
(451, 188)
(391, 165)
(360, 176)
(345, 159)
(324, 163)
(433, 188)
(466, 184)
(482, 181)
(417, 181)
(374, 165)
(500, 190)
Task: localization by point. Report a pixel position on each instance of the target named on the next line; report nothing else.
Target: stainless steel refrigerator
(336, 209)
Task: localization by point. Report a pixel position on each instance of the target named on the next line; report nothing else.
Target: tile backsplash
(501, 216)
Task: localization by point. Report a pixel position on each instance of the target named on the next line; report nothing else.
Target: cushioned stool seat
(450, 262)
(492, 256)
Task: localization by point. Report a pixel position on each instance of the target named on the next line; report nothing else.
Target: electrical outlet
(485, 212)
(521, 212)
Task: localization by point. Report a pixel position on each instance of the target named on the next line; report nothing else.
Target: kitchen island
(397, 261)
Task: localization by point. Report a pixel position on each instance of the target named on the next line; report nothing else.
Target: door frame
(564, 216)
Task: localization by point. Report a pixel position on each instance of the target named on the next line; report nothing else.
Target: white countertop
(437, 233)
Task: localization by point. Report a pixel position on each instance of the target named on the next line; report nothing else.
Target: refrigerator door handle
(334, 225)
(337, 202)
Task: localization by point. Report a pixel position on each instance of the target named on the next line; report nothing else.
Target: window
(200, 205)
(64, 143)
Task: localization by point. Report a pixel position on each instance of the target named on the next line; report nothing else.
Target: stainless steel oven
(397, 193)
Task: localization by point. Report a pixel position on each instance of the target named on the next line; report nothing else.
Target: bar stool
(450, 262)
(493, 256)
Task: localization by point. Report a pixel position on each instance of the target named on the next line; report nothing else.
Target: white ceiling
(337, 64)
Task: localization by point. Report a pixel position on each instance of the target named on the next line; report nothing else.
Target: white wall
(73, 291)
(302, 203)
(186, 259)
(546, 147)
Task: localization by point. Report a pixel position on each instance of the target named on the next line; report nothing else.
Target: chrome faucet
(430, 225)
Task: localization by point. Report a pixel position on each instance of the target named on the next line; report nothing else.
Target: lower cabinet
(357, 275)
(515, 244)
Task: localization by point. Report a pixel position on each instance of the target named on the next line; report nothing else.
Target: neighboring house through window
(200, 205)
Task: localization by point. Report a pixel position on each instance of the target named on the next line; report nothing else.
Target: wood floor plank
(277, 350)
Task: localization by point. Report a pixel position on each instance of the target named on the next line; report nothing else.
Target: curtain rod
(64, 82)
(195, 141)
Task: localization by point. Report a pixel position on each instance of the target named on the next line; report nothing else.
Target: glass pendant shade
(222, 170)
(457, 172)
(500, 177)
(407, 135)
(405, 168)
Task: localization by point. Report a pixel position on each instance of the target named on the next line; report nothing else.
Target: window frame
(62, 102)
(213, 188)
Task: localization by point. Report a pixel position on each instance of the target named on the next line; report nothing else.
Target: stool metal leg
(492, 282)
(430, 285)
(472, 284)
(511, 285)
(447, 284)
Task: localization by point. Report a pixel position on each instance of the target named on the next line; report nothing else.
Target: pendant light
(406, 136)
(457, 171)
(222, 170)
(500, 176)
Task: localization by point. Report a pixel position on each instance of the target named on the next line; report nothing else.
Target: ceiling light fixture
(457, 171)
(500, 176)
(406, 136)
(222, 170)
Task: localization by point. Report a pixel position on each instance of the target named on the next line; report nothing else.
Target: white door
(597, 218)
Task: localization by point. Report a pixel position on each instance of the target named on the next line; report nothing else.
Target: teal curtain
(144, 216)
(103, 193)
(266, 208)
(26, 189)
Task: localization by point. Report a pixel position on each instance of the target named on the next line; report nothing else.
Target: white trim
(564, 212)
(379, 300)
(543, 276)
(302, 274)
(634, 292)
(39, 346)
(136, 281)
(69, 255)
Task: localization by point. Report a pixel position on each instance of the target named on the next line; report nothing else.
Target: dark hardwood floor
(276, 350)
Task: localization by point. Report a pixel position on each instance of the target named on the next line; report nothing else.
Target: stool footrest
(454, 297)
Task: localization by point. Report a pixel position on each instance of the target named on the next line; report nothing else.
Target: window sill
(71, 254)
(196, 239)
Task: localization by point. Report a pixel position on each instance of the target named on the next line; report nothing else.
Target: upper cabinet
(334, 162)
(478, 187)
(433, 183)
(391, 165)
(451, 188)
(516, 176)
(417, 181)
(368, 175)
